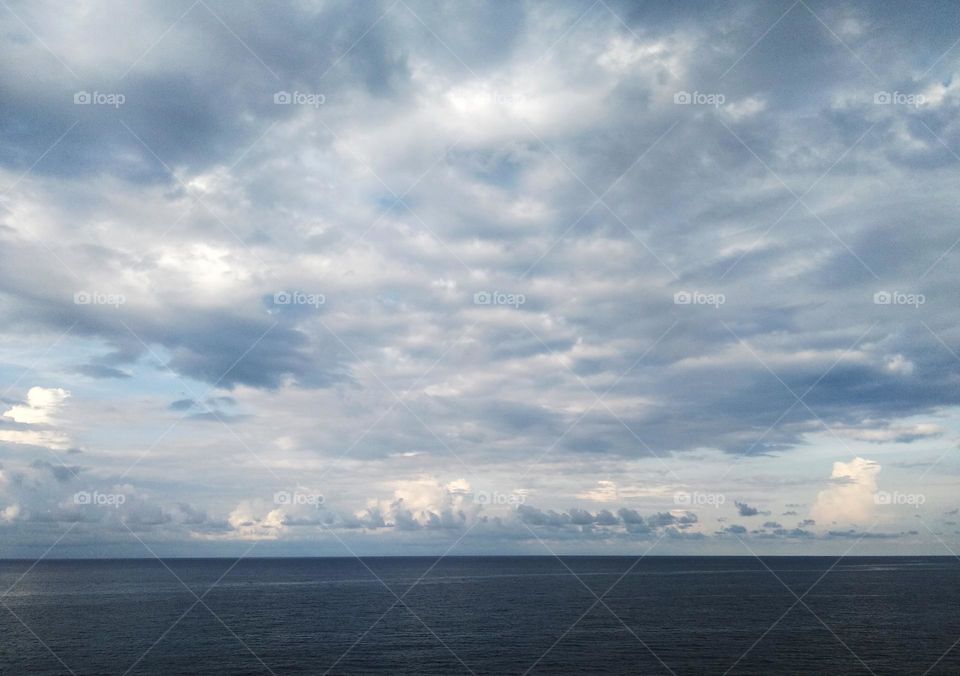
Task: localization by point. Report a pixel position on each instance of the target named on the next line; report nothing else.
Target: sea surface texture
(485, 615)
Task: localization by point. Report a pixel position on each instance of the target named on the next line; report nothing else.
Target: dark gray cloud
(62, 473)
(99, 371)
(743, 509)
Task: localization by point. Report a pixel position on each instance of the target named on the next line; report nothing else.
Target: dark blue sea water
(486, 615)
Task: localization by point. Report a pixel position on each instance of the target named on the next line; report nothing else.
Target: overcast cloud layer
(503, 277)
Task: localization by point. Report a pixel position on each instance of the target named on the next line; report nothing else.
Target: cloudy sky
(415, 277)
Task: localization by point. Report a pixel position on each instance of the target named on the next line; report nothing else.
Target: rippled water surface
(490, 615)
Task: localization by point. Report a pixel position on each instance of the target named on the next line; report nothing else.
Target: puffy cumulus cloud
(428, 502)
(33, 422)
(422, 503)
(252, 521)
(419, 504)
(625, 520)
(45, 493)
(42, 404)
(850, 496)
(680, 518)
(412, 509)
(538, 517)
(417, 511)
(10, 513)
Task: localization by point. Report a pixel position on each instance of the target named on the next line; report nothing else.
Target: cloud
(182, 405)
(537, 517)
(42, 404)
(100, 371)
(746, 510)
(866, 535)
(339, 270)
(850, 496)
(10, 513)
(35, 421)
(792, 533)
(249, 523)
(62, 473)
(882, 433)
(605, 491)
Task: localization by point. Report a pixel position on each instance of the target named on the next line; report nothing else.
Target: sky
(403, 277)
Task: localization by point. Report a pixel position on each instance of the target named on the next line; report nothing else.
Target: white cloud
(850, 497)
(10, 513)
(884, 433)
(252, 520)
(42, 405)
(900, 365)
(748, 107)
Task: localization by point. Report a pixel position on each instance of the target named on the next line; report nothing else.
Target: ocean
(483, 615)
